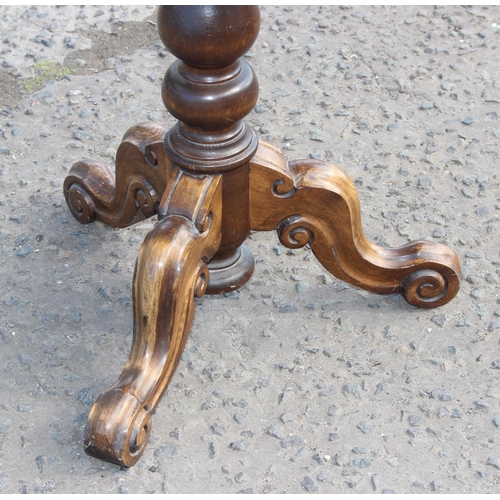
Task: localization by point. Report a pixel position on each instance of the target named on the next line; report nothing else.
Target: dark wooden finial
(211, 88)
(208, 35)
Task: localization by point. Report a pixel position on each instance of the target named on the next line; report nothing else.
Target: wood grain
(94, 191)
(210, 182)
(312, 202)
(171, 270)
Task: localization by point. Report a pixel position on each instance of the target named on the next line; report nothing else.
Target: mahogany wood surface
(314, 203)
(171, 270)
(210, 183)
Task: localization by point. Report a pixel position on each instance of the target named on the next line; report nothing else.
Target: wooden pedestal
(210, 182)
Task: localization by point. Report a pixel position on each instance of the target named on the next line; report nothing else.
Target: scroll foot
(94, 191)
(314, 202)
(171, 270)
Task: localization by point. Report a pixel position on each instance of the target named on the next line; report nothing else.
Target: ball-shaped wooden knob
(207, 35)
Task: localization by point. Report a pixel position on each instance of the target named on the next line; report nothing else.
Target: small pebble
(481, 405)
(352, 389)
(86, 396)
(359, 450)
(494, 462)
(361, 463)
(241, 478)
(439, 319)
(317, 135)
(288, 307)
(24, 251)
(471, 254)
(25, 407)
(414, 420)
(424, 182)
(301, 453)
(80, 135)
(309, 485)
(328, 391)
(167, 452)
(242, 445)
(366, 426)
(275, 431)
(290, 441)
(325, 476)
(220, 430)
(240, 417)
(441, 394)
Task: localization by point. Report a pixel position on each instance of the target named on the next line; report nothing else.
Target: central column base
(230, 270)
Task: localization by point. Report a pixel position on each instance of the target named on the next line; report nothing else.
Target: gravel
(295, 383)
(309, 485)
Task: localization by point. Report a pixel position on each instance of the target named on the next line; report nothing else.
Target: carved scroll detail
(171, 270)
(296, 232)
(81, 204)
(279, 189)
(320, 207)
(94, 191)
(425, 287)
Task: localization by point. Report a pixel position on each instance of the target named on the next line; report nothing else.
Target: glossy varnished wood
(195, 177)
(210, 182)
(131, 192)
(210, 89)
(314, 203)
(171, 270)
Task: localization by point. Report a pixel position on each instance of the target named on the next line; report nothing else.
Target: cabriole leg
(131, 193)
(314, 202)
(171, 270)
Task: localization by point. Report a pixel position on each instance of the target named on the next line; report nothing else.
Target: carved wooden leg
(200, 170)
(314, 202)
(93, 191)
(171, 269)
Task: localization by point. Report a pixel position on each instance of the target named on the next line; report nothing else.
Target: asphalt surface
(296, 383)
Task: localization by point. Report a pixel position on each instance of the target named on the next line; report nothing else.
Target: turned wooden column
(210, 89)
